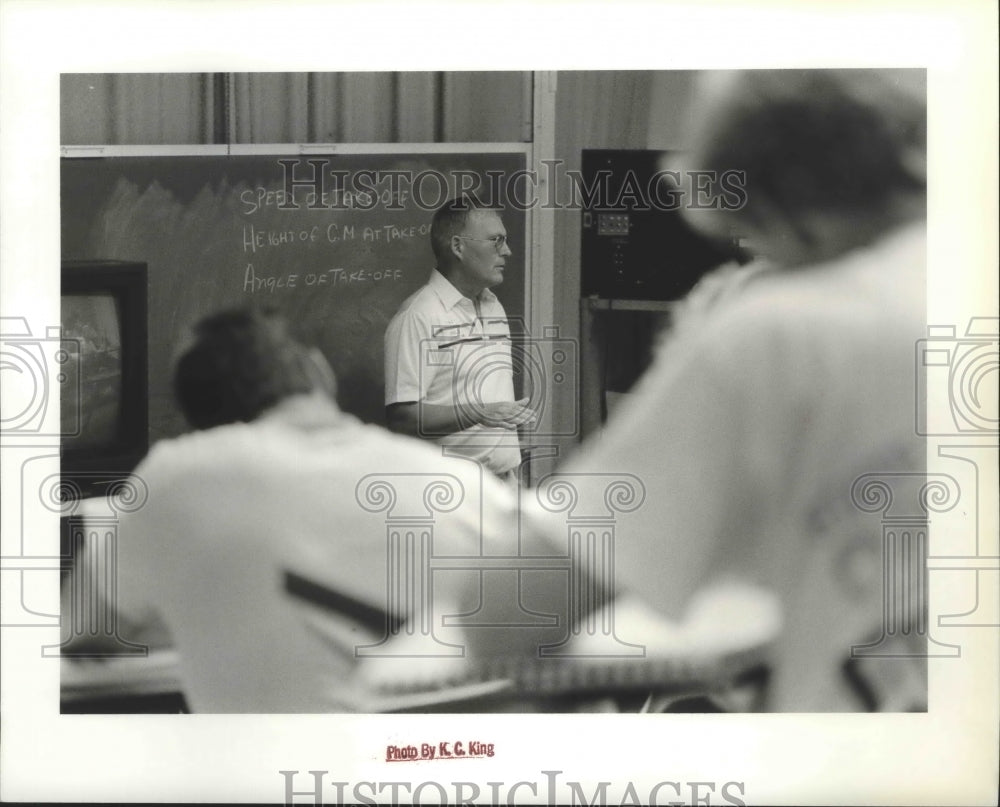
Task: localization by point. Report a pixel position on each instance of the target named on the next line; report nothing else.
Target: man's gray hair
(450, 220)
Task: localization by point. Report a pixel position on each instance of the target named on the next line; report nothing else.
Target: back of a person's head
(242, 363)
(844, 145)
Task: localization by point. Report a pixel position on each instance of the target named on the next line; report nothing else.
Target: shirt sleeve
(406, 381)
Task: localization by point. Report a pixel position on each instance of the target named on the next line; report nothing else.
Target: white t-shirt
(235, 512)
(439, 351)
(748, 433)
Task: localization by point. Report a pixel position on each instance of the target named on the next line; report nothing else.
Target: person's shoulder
(416, 311)
(417, 302)
(875, 283)
(789, 321)
(402, 454)
(187, 453)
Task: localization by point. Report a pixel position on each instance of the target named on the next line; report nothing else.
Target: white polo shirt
(439, 351)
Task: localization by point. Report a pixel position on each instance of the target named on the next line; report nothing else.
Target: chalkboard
(215, 232)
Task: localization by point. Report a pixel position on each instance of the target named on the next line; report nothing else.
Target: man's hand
(506, 414)
(433, 421)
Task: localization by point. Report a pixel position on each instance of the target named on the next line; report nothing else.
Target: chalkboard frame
(522, 152)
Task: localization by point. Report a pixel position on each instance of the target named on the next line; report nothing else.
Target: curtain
(356, 107)
(138, 108)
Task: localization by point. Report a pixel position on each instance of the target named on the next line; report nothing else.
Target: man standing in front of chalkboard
(448, 368)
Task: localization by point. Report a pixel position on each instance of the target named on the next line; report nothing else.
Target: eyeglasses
(499, 241)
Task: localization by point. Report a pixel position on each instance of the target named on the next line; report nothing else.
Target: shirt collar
(449, 295)
(307, 412)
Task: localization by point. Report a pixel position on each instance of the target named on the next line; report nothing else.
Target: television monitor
(635, 244)
(104, 421)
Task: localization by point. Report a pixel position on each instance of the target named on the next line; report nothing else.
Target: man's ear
(457, 247)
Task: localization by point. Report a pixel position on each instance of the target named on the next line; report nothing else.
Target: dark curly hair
(845, 143)
(242, 363)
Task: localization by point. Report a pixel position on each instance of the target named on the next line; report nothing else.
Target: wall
(593, 109)
(606, 109)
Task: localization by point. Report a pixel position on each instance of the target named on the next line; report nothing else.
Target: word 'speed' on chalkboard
(215, 234)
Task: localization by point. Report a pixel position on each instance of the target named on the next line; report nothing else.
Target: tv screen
(104, 422)
(91, 328)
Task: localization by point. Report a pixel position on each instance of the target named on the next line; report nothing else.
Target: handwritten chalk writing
(254, 239)
(335, 233)
(338, 199)
(397, 196)
(252, 282)
(256, 198)
(364, 197)
(390, 232)
(363, 275)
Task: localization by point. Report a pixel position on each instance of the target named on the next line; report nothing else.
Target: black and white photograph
(615, 417)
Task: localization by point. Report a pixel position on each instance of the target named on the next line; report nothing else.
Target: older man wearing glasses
(448, 369)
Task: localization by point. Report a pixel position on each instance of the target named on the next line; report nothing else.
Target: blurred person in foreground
(254, 545)
(762, 411)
